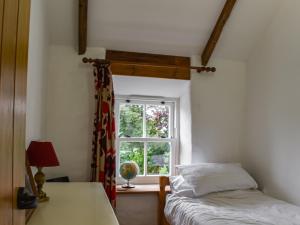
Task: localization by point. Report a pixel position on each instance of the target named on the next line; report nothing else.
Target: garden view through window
(145, 135)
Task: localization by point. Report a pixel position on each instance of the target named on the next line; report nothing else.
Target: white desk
(74, 204)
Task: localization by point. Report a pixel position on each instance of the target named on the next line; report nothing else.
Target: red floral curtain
(104, 152)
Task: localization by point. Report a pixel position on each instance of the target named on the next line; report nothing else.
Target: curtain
(103, 167)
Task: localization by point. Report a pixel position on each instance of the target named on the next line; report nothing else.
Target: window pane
(157, 121)
(133, 151)
(158, 158)
(131, 120)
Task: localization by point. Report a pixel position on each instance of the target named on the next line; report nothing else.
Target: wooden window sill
(140, 189)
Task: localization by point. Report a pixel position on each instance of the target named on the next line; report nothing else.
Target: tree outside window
(145, 135)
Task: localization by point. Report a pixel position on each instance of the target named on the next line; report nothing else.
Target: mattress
(230, 207)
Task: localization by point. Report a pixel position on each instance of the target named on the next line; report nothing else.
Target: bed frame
(164, 184)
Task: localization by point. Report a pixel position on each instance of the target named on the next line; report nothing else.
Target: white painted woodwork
(74, 204)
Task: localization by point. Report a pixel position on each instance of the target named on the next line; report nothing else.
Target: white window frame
(173, 138)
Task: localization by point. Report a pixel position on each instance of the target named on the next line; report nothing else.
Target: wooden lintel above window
(149, 65)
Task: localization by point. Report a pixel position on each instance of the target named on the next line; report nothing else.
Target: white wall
(217, 102)
(211, 109)
(37, 73)
(137, 209)
(272, 136)
(129, 85)
(70, 107)
(185, 125)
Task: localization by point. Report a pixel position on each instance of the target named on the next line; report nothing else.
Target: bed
(238, 207)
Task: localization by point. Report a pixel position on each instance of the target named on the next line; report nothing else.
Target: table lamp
(41, 154)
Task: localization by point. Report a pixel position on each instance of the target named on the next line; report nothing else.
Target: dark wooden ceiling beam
(82, 26)
(217, 31)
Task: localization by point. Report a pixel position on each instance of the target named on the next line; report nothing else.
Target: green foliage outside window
(131, 120)
(157, 119)
(158, 158)
(157, 126)
(133, 151)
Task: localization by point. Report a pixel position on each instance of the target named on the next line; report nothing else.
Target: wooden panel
(20, 105)
(82, 26)
(3, 165)
(150, 71)
(7, 75)
(1, 25)
(147, 59)
(217, 31)
(14, 33)
(139, 189)
(149, 65)
(164, 188)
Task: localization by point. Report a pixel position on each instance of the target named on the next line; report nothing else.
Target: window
(146, 134)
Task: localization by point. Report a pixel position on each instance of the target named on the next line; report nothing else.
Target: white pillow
(214, 177)
(180, 187)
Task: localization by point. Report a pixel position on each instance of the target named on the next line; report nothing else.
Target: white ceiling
(177, 27)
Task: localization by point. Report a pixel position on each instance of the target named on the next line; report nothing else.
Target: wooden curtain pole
(103, 62)
(96, 62)
(203, 69)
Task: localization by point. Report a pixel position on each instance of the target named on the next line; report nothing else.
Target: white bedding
(230, 208)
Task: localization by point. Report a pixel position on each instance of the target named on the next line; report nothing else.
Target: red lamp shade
(42, 154)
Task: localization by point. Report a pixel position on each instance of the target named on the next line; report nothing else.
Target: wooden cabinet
(14, 30)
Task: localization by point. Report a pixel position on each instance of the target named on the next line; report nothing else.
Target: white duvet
(232, 208)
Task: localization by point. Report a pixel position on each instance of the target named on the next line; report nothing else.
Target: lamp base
(46, 199)
(39, 178)
(42, 197)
